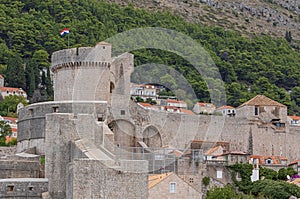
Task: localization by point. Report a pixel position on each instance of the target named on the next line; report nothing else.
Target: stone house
(170, 185)
(174, 103)
(144, 91)
(293, 120)
(295, 165)
(214, 153)
(226, 110)
(6, 91)
(203, 107)
(265, 109)
(271, 162)
(233, 157)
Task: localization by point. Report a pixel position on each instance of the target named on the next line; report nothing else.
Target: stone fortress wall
(92, 115)
(168, 129)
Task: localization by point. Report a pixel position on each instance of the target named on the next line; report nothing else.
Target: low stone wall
(91, 179)
(20, 166)
(21, 188)
(5, 151)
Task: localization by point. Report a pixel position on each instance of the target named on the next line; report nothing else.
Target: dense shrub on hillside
(249, 66)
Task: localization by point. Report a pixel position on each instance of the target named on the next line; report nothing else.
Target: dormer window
(269, 161)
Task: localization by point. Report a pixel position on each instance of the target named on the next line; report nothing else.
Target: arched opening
(124, 133)
(151, 137)
(112, 87)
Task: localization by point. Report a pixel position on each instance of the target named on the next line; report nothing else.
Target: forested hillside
(29, 33)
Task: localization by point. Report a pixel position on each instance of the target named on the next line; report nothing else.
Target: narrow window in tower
(256, 110)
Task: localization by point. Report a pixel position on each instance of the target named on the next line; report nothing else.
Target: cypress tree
(15, 75)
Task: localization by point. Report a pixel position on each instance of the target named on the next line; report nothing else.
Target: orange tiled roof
(12, 119)
(145, 104)
(236, 153)
(187, 111)
(294, 162)
(10, 89)
(294, 117)
(275, 159)
(203, 104)
(170, 107)
(176, 152)
(225, 107)
(175, 101)
(155, 179)
(212, 150)
(261, 100)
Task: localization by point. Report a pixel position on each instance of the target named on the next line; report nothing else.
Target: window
(10, 187)
(256, 110)
(191, 180)
(219, 174)
(55, 109)
(172, 187)
(269, 161)
(122, 112)
(100, 118)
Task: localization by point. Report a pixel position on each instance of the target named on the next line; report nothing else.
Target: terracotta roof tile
(155, 179)
(261, 100)
(204, 104)
(236, 153)
(212, 150)
(145, 104)
(10, 89)
(275, 159)
(294, 162)
(225, 107)
(12, 119)
(175, 101)
(294, 117)
(187, 111)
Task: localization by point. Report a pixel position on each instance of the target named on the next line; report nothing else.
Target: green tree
(295, 95)
(275, 189)
(284, 172)
(49, 85)
(15, 76)
(8, 106)
(5, 130)
(226, 193)
(267, 173)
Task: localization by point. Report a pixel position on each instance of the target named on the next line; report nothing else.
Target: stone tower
(82, 74)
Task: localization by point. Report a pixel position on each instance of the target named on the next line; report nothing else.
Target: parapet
(100, 55)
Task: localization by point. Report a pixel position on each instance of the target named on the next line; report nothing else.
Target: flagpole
(68, 41)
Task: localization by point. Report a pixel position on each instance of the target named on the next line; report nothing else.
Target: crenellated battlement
(98, 56)
(76, 65)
